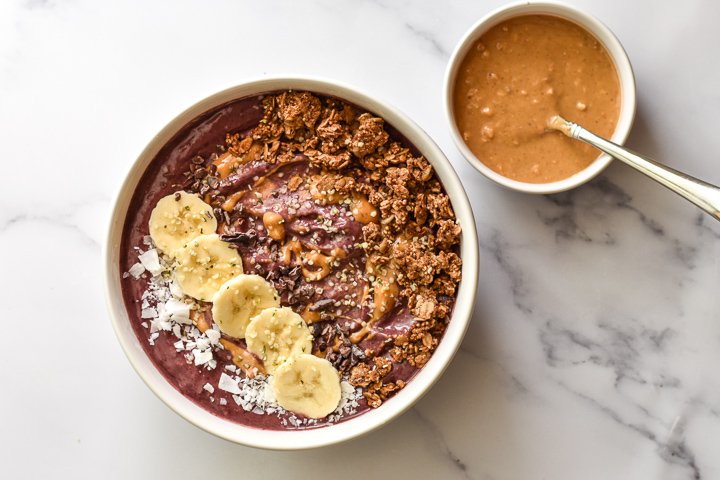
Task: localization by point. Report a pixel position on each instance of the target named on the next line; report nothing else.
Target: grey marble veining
(594, 347)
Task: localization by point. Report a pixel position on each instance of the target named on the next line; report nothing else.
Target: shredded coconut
(256, 395)
(163, 310)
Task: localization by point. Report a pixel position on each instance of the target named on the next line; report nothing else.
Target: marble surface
(595, 345)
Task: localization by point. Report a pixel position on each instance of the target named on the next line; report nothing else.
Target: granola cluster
(370, 377)
(412, 242)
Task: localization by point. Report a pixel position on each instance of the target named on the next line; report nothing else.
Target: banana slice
(307, 385)
(177, 219)
(204, 264)
(276, 335)
(238, 300)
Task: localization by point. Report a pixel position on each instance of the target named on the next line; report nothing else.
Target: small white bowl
(599, 31)
(370, 420)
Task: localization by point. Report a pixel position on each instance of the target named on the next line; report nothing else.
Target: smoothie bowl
(291, 263)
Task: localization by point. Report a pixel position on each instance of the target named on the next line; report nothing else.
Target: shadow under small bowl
(353, 427)
(594, 27)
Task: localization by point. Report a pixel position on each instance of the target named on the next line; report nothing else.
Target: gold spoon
(702, 194)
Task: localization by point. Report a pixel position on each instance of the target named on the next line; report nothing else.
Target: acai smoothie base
(291, 261)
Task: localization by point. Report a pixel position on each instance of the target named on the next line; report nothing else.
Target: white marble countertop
(595, 346)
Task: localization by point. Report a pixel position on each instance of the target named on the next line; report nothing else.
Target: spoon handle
(702, 194)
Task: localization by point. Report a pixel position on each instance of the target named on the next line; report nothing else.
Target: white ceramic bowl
(288, 440)
(599, 31)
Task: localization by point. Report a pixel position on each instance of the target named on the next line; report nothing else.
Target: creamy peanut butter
(274, 223)
(520, 73)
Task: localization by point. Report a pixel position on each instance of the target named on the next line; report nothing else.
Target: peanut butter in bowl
(518, 74)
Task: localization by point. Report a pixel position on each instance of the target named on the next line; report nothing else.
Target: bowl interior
(601, 33)
(324, 435)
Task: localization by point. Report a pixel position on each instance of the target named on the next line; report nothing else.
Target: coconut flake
(228, 384)
(202, 356)
(164, 325)
(203, 343)
(208, 388)
(175, 289)
(268, 394)
(151, 261)
(213, 336)
(178, 311)
(136, 270)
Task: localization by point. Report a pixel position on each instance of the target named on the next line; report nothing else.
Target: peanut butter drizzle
(314, 258)
(363, 211)
(274, 224)
(240, 357)
(338, 253)
(226, 163)
(335, 347)
(324, 197)
(317, 259)
(255, 152)
(232, 200)
(260, 186)
(243, 359)
(290, 248)
(309, 316)
(385, 294)
(199, 320)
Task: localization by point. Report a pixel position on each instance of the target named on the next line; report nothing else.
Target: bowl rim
(596, 28)
(351, 428)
